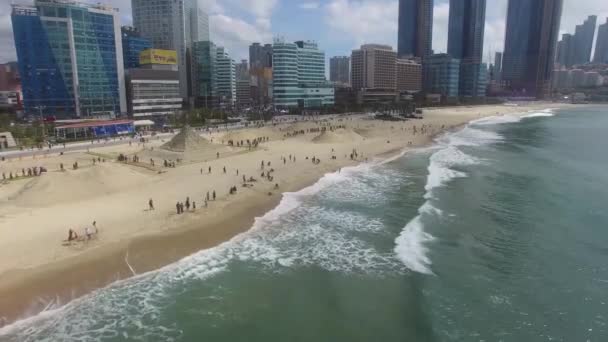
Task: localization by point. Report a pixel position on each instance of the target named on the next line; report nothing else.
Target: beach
(39, 270)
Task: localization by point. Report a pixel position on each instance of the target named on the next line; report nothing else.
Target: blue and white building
(70, 59)
(299, 75)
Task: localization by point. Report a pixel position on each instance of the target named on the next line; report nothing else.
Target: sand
(36, 213)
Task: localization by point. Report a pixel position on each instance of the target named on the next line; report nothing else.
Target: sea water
(498, 232)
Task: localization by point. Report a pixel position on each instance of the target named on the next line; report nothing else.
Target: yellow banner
(156, 56)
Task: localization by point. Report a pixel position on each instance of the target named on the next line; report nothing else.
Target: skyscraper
(465, 42)
(63, 71)
(565, 50)
(415, 33)
(173, 25)
(339, 69)
(601, 46)
(530, 44)
(204, 64)
(583, 40)
(260, 56)
(226, 78)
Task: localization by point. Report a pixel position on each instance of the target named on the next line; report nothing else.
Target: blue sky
(337, 25)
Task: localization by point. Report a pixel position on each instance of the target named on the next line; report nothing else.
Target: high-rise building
(204, 65)
(260, 56)
(299, 75)
(339, 70)
(173, 25)
(530, 44)
(408, 75)
(442, 75)
(132, 45)
(601, 46)
(565, 50)
(583, 40)
(226, 78)
(243, 84)
(465, 42)
(63, 71)
(260, 63)
(153, 89)
(415, 32)
(373, 67)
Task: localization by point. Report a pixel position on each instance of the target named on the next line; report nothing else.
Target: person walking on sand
(151, 204)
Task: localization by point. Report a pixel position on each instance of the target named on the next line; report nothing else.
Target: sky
(338, 26)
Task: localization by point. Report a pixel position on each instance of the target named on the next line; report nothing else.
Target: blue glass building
(70, 59)
(530, 45)
(415, 33)
(465, 42)
(132, 45)
(442, 75)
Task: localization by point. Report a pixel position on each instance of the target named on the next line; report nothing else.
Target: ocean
(497, 232)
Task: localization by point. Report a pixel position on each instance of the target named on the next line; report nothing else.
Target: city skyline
(343, 24)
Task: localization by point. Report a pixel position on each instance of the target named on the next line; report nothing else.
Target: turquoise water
(497, 233)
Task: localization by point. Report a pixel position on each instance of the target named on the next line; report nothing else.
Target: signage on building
(156, 56)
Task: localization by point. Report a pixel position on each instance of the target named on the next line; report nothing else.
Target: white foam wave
(496, 120)
(410, 246)
(538, 115)
(411, 243)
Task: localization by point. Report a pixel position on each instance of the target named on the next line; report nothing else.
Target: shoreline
(57, 283)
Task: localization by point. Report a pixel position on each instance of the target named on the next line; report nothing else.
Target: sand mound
(73, 186)
(187, 140)
(337, 137)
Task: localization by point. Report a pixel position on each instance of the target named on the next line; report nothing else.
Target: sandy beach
(39, 268)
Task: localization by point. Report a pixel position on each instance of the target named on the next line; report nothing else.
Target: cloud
(309, 5)
(236, 34)
(367, 21)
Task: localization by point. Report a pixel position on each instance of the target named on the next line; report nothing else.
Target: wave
(410, 245)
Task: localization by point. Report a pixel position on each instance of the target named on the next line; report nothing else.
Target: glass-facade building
(204, 64)
(415, 31)
(299, 75)
(226, 78)
(465, 42)
(530, 45)
(132, 45)
(442, 75)
(173, 25)
(70, 59)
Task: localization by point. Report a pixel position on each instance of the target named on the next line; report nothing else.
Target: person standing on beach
(187, 203)
(214, 195)
(177, 208)
(151, 204)
(209, 169)
(207, 198)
